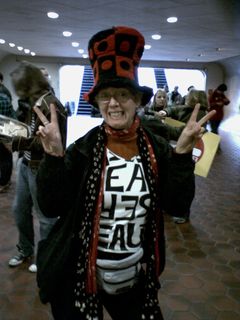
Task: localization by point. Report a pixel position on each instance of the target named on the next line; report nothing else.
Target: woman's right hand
(49, 132)
(162, 113)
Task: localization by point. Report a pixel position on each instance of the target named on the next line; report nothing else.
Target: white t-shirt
(123, 217)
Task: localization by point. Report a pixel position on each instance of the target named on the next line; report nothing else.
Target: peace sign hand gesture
(192, 131)
(49, 132)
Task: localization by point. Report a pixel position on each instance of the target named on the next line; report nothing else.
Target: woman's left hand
(192, 131)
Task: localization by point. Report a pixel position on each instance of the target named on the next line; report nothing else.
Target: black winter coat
(61, 191)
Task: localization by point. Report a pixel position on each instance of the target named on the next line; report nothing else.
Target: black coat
(61, 190)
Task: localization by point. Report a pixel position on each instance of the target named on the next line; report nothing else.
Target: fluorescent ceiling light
(75, 44)
(156, 36)
(33, 53)
(12, 44)
(20, 48)
(2, 41)
(53, 15)
(85, 56)
(26, 50)
(147, 46)
(80, 50)
(67, 33)
(172, 19)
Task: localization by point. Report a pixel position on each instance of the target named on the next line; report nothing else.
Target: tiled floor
(202, 276)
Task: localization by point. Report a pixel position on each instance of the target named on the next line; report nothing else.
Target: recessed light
(67, 33)
(33, 53)
(26, 50)
(147, 46)
(53, 15)
(172, 19)
(2, 41)
(85, 56)
(156, 36)
(12, 44)
(80, 51)
(20, 48)
(75, 44)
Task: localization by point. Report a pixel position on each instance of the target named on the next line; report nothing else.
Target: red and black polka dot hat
(114, 56)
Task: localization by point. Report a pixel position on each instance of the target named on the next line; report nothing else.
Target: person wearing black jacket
(6, 157)
(33, 89)
(107, 247)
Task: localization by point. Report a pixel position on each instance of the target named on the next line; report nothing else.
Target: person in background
(4, 89)
(183, 113)
(175, 97)
(107, 247)
(166, 88)
(160, 100)
(6, 156)
(217, 101)
(188, 90)
(68, 109)
(209, 93)
(151, 116)
(152, 108)
(32, 88)
(48, 77)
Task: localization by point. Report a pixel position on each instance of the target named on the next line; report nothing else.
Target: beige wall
(232, 78)
(10, 62)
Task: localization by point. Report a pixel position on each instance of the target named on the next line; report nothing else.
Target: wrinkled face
(118, 106)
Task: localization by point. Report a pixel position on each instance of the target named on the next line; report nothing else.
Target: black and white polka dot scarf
(86, 298)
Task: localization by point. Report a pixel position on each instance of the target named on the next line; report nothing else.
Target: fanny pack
(118, 281)
(116, 277)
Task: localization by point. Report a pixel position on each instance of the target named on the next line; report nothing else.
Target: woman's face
(161, 99)
(118, 106)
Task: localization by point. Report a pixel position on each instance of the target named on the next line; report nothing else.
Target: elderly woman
(107, 248)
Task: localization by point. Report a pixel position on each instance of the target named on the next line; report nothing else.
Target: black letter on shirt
(137, 167)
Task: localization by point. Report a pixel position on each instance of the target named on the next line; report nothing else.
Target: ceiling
(206, 31)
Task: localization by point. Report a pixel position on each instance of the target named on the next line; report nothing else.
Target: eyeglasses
(121, 95)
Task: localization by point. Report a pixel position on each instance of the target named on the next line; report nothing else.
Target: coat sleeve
(57, 183)
(176, 176)
(180, 187)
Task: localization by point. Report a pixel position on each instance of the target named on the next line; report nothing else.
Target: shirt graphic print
(125, 204)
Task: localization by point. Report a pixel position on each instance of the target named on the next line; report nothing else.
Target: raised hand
(49, 132)
(192, 131)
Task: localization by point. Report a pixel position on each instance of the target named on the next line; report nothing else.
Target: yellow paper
(204, 151)
(173, 122)
(210, 141)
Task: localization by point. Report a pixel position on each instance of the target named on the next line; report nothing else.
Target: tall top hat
(114, 56)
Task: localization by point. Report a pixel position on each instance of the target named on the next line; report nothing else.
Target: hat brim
(119, 82)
